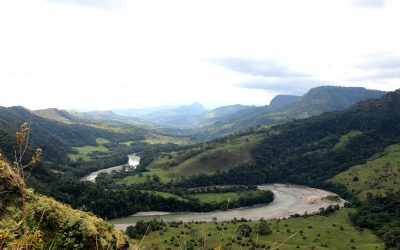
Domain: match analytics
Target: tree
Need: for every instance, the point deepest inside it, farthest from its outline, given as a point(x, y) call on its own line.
point(244, 230)
point(139, 230)
point(263, 228)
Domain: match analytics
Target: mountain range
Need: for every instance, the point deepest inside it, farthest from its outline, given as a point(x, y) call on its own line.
point(225, 120)
point(310, 140)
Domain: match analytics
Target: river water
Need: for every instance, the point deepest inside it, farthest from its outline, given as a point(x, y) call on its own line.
point(289, 200)
point(133, 161)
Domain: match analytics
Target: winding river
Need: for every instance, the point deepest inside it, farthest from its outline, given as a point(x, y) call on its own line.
point(133, 161)
point(289, 200)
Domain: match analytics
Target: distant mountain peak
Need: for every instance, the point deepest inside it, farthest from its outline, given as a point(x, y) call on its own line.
point(194, 108)
point(329, 98)
point(282, 100)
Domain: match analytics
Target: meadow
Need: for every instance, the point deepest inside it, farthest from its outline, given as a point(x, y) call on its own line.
point(207, 159)
point(313, 232)
point(378, 175)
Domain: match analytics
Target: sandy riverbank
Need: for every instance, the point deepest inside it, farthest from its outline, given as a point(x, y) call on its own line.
point(289, 200)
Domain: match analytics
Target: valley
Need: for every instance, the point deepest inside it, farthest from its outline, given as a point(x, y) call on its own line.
point(125, 169)
point(288, 200)
point(133, 161)
point(313, 232)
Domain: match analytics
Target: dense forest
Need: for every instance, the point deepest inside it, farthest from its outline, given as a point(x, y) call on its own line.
point(310, 151)
point(381, 214)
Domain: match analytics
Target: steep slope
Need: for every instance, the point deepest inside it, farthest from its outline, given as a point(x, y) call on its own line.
point(54, 137)
point(380, 174)
point(316, 101)
point(50, 224)
point(106, 117)
point(307, 151)
point(329, 98)
point(56, 114)
point(280, 101)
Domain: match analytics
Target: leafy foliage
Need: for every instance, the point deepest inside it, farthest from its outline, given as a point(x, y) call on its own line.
point(143, 228)
point(381, 214)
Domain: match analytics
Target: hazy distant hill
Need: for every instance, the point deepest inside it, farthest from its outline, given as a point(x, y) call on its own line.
point(286, 108)
point(331, 98)
point(106, 116)
point(175, 116)
point(280, 101)
point(56, 114)
point(56, 138)
point(140, 111)
point(306, 151)
point(207, 124)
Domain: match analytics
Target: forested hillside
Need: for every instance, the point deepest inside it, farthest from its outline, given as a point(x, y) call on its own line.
point(312, 150)
point(54, 137)
point(287, 108)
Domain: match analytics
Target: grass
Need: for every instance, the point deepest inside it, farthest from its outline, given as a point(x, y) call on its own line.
point(164, 194)
point(315, 232)
point(217, 197)
point(100, 141)
point(207, 159)
point(344, 139)
point(334, 198)
point(127, 143)
point(221, 197)
point(85, 151)
point(381, 173)
point(163, 139)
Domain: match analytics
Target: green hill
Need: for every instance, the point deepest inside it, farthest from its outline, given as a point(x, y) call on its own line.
point(380, 174)
point(207, 158)
point(314, 102)
point(57, 138)
point(49, 224)
point(307, 151)
point(312, 232)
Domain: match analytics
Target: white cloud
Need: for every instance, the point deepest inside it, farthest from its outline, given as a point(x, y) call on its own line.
point(121, 54)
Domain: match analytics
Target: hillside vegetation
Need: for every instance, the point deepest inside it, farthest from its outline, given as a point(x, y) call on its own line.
point(313, 232)
point(54, 137)
point(51, 225)
point(313, 150)
point(380, 174)
point(207, 158)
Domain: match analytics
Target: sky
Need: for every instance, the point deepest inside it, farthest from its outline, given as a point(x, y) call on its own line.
point(114, 54)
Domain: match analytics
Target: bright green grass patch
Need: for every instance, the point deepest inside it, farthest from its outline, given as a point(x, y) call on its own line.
point(223, 197)
point(344, 139)
point(127, 143)
point(334, 198)
point(380, 174)
point(206, 159)
point(217, 197)
point(108, 127)
point(100, 141)
point(315, 232)
point(163, 139)
point(164, 194)
point(84, 152)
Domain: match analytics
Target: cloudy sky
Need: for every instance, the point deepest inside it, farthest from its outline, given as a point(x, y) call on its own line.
point(105, 54)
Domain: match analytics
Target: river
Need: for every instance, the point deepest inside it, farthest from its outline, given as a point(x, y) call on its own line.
point(133, 161)
point(289, 200)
